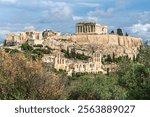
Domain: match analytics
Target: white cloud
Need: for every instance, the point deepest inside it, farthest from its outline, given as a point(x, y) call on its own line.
point(29, 28)
point(62, 12)
point(143, 17)
point(8, 1)
point(57, 11)
point(141, 30)
point(85, 18)
point(136, 28)
point(95, 15)
point(101, 13)
point(86, 4)
point(94, 19)
point(3, 34)
point(77, 18)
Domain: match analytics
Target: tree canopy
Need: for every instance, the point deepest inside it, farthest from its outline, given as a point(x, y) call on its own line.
point(119, 32)
point(22, 78)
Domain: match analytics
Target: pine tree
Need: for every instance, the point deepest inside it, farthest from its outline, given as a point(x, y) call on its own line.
point(119, 32)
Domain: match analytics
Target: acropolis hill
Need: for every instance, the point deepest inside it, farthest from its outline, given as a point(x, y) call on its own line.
point(93, 33)
point(91, 40)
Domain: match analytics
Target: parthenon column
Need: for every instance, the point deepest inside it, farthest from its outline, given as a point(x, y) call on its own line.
point(87, 28)
point(82, 28)
point(91, 28)
point(94, 28)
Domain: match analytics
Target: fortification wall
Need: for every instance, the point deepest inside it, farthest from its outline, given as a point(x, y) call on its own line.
point(126, 41)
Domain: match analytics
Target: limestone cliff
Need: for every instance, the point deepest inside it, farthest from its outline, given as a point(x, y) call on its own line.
point(126, 41)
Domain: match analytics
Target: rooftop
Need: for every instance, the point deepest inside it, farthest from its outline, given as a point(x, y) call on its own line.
point(86, 23)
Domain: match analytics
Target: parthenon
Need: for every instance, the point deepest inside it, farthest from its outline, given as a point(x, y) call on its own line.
point(90, 28)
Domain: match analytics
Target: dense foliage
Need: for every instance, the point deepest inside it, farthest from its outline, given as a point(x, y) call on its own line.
point(36, 52)
point(131, 81)
point(119, 32)
point(23, 78)
point(26, 47)
point(72, 54)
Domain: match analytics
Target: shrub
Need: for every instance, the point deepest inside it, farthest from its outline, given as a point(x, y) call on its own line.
point(21, 78)
point(26, 47)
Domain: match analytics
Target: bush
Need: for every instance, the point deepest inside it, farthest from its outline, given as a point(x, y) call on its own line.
point(95, 87)
point(27, 79)
point(74, 55)
point(119, 32)
point(22, 78)
point(26, 47)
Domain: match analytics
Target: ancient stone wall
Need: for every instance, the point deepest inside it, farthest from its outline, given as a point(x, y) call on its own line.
point(126, 41)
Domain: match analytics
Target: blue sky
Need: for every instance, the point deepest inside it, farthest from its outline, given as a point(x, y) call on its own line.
point(61, 15)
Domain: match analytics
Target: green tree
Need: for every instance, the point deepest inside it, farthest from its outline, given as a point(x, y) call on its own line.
point(91, 87)
point(112, 32)
point(74, 55)
point(144, 55)
point(119, 32)
point(26, 47)
point(27, 79)
point(136, 80)
point(127, 34)
point(134, 76)
point(108, 59)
